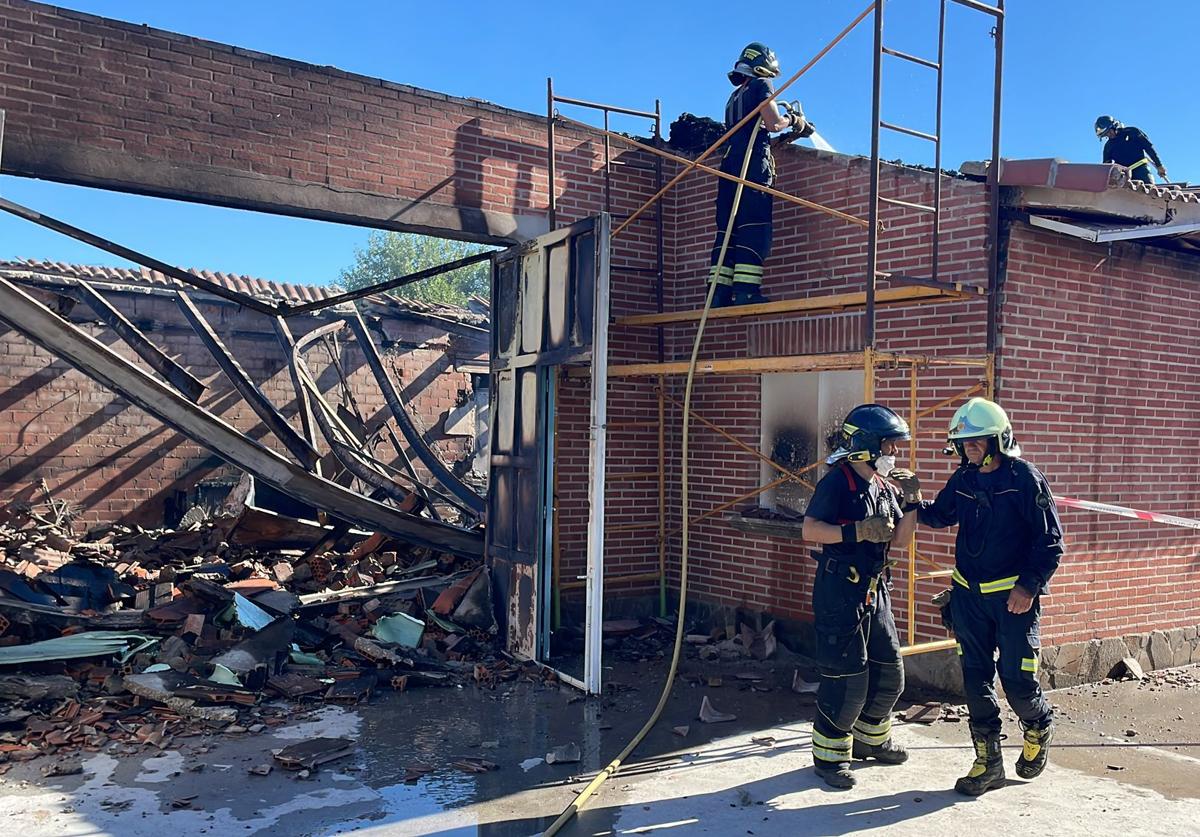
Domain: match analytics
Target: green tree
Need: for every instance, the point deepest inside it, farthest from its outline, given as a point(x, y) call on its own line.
point(391, 254)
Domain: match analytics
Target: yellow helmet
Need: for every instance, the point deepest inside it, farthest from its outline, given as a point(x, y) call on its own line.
point(982, 419)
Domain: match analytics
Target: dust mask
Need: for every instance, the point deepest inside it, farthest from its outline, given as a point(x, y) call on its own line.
point(884, 465)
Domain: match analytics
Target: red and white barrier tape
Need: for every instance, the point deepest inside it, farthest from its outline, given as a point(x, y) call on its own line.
point(1122, 511)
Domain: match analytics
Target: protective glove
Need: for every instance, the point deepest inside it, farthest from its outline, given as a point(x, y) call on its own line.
point(796, 112)
point(877, 528)
point(942, 602)
point(1162, 172)
point(908, 484)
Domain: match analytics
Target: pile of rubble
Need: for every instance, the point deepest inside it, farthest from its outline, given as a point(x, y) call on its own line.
point(128, 637)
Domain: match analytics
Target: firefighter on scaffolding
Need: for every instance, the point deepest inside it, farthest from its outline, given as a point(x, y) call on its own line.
point(858, 516)
point(1008, 545)
point(739, 272)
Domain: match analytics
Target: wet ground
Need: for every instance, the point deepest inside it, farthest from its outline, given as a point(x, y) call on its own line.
point(711, 780)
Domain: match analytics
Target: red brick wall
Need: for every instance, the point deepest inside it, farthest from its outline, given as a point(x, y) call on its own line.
point(813, 254)
point(1092, 368)
point(111, 461)
point(1099, 376)
point(94, 83)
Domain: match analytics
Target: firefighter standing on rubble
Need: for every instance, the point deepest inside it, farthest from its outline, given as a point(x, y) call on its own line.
point(739, 276)
point(1008, 545)
point(857, 516)
point(1128, 146)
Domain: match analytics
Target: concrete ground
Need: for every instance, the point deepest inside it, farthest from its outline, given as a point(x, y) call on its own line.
point(1126, 759)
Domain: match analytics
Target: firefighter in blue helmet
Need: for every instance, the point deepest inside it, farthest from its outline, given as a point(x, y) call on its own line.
point(1008, 545)
point(1129, 147)
point(857, 516)
point(739, 275)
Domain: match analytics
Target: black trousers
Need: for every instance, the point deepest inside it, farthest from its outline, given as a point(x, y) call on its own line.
point(750, 240)
point(858, 655)
point(982, 624)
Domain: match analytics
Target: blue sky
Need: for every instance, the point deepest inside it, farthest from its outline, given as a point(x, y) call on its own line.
point(1067, 61)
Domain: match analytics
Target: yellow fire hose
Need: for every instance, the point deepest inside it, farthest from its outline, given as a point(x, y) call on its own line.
point(615, 765)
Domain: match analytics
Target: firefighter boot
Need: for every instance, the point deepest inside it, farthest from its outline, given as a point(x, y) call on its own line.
point(748, 293)
point(722, 297)
point(988, 770)
point(889, 752)
point(835, 774)
point(1032, 760)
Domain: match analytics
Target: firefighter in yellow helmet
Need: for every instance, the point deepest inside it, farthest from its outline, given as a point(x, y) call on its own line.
point(1008, 545)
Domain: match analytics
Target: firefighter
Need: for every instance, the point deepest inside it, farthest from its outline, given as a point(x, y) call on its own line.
point(1129, 147)
point(1008, 545)
point(857, 516)
point(739, 275)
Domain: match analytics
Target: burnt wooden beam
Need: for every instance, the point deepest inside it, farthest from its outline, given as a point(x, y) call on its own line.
point(175, 375)
point(25, 315)
point(136, 257)
point(396, 404)
point(296, 444)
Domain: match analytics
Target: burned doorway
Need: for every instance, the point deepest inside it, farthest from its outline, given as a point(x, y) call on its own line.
point(549, 310)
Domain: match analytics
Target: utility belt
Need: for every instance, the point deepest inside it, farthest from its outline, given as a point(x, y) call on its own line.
point(857, 574)
point(984, 588)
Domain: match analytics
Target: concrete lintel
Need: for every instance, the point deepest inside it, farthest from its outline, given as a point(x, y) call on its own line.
point(105, 169)
point(1115, 203)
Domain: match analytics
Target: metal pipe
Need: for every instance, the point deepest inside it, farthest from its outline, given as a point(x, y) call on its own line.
point(745, 447)
point(924, 62)
point(291, 310)
point(937, 149)
point(909, 204)
point(607, 166)
point(575, 585)
point(659, 262)
point(556, 545)
point(912, 132)
point(752, 115)
point(993, 317)
point(912, 462)
point(926, 647)
point(967, 393)
point(550, 175)
point(995, 11)
point(733, 178)
point(631, 527)
point(566, 100)
point(662, 496)
point(868, 360)
point(873, 219)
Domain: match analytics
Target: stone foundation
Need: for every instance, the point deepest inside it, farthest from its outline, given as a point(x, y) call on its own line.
point(1087, 662)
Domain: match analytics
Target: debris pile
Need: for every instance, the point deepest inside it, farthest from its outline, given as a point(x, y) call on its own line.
point(127, 637)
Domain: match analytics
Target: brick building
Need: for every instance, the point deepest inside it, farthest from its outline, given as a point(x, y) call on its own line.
point(1091, 358)
point(110, 462)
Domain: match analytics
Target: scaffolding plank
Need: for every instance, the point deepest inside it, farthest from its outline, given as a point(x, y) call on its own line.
point(908, 295)
point(27, 316)
point(734, 366)
point(296, 444)
point(175, 374)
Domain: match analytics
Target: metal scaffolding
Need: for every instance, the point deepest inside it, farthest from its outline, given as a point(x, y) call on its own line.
point(906, 290)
